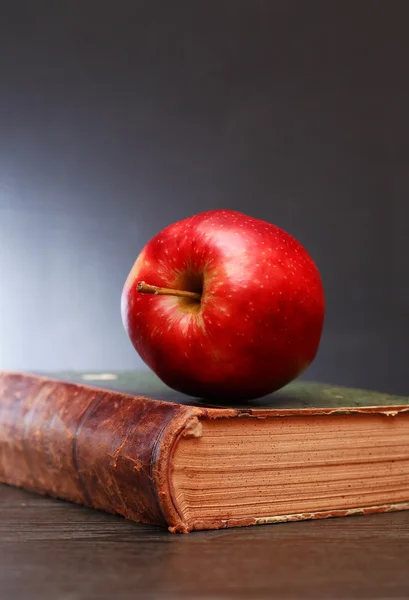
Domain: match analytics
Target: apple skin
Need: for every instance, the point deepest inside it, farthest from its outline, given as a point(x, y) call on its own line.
point(258, 324)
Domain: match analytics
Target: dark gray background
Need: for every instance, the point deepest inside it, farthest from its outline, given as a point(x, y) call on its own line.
point(117, 119)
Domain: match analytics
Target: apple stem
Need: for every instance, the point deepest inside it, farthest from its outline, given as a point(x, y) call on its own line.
point(146, 288)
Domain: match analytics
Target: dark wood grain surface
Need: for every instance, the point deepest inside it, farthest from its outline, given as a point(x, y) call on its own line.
point(52, 549)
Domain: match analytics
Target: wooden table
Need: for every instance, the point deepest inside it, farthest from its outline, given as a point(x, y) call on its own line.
point(52, 549)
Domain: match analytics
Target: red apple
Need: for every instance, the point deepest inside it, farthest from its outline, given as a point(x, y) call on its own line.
point(224, 306)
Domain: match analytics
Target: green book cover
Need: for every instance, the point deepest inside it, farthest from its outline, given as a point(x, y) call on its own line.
point(297, 394)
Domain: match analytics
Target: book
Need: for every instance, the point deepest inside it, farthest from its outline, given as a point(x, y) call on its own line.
point(126, 444)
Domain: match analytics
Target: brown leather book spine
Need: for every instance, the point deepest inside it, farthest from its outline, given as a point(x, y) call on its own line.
point(106, 450)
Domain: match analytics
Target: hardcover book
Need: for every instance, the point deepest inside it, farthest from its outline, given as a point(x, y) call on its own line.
point(127, 444)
